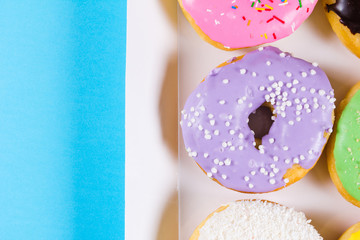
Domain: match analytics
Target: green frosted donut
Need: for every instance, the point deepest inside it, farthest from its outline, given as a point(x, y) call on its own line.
point(347, 147)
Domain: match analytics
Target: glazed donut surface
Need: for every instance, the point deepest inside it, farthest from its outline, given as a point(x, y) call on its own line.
point(242, 23)
point(353, 233)
point(215, 120)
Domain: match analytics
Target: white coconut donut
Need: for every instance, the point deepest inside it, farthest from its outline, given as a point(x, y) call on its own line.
point(255, 219)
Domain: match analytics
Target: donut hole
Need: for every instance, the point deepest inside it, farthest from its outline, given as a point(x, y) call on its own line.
point(260, 122)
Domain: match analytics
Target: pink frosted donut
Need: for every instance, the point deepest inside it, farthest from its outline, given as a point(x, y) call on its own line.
point(234, 24)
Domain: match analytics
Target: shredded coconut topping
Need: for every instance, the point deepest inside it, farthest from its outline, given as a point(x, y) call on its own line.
point(258, 220)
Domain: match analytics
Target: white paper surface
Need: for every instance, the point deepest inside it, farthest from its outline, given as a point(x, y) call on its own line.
point(151, 121)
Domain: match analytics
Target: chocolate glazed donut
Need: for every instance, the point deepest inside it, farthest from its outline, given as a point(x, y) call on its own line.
point(344, 17)
point(349, 13)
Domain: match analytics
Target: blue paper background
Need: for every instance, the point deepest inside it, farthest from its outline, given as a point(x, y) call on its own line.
point(62, 70)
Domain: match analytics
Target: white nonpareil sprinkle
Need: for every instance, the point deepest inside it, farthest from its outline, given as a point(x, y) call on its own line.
point(222, 102)
point(206, 155)
point(242, 71)
point(224, 176)
point(246, 178)
point(271, 78)
point(216, 132)
point(210, 115)
point(209, 174)
point(227, 162)
point(268, 63)
point(282, 54)
point(271, 140)
point(225, 81)
point(258, 220)
point(321, 92)
point(214, 170)
point(272, 181)
point(304, 74)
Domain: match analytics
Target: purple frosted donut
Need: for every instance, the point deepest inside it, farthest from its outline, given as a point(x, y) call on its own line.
point(215, 120)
